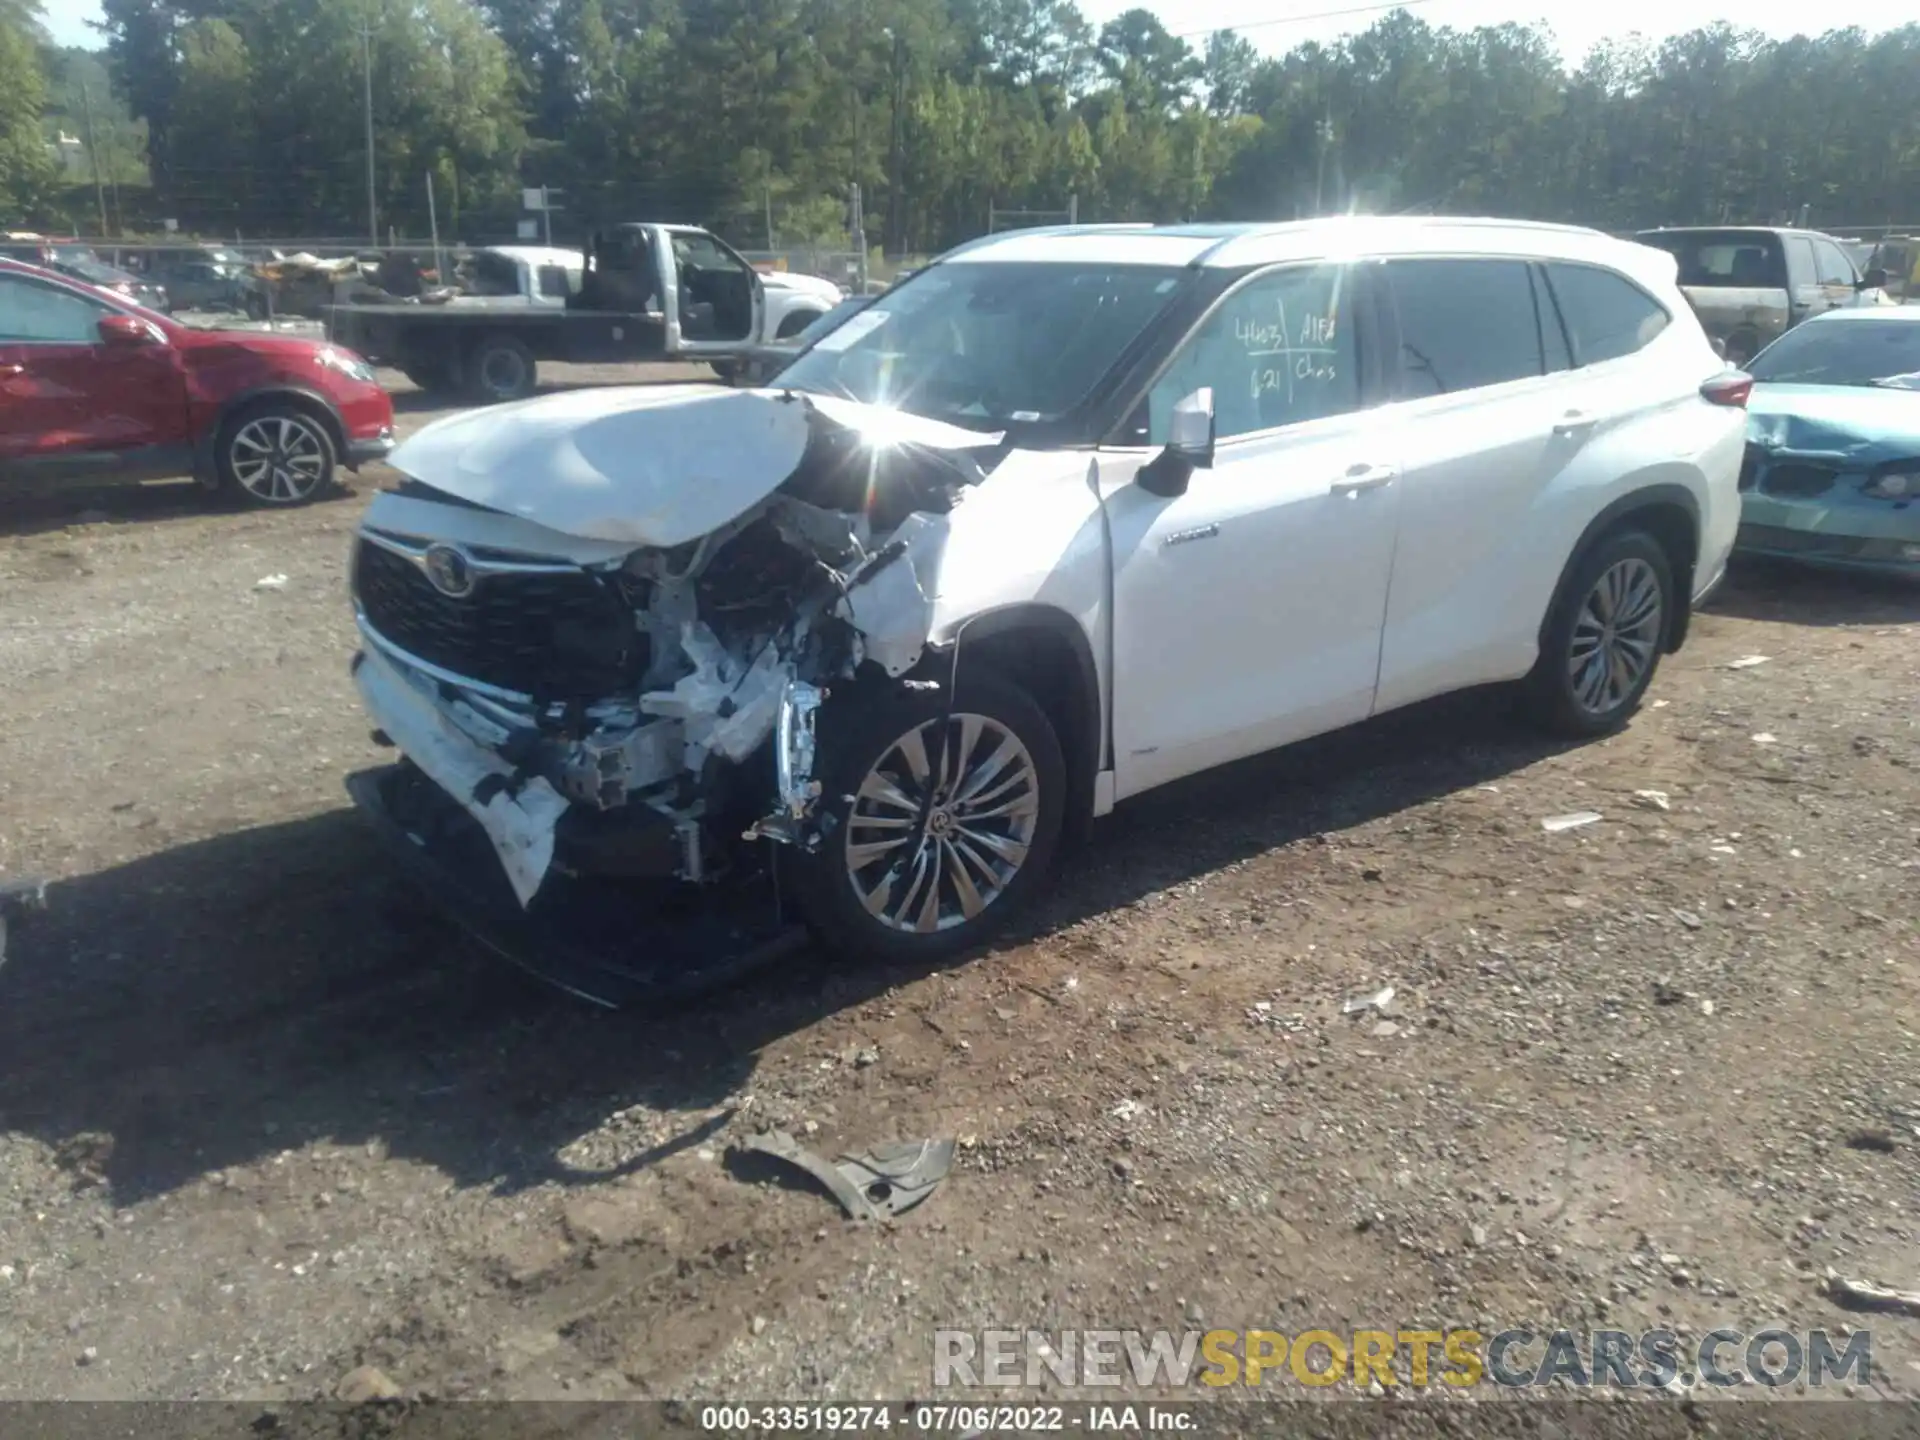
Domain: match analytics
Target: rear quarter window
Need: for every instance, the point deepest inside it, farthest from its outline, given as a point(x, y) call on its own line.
point(1607, 316)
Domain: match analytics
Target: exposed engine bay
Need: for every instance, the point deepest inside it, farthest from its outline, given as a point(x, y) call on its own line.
point(648, 710)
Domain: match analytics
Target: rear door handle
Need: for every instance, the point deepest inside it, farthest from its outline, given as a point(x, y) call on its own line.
point(1573, 422)
point(7, 372)
point(1364, 477)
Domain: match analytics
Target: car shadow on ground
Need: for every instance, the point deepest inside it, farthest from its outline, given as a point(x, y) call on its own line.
point(217, 1003)
point(1781, 592)
point(84, 504)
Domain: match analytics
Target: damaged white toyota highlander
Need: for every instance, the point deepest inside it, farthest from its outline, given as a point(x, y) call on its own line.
point(1065, 516)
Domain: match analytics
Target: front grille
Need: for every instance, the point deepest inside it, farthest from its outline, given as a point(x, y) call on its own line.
point(1792, 480)
point(555, 636)
point(1750, 464)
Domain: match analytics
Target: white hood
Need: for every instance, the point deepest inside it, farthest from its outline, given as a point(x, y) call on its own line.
point(655, 465)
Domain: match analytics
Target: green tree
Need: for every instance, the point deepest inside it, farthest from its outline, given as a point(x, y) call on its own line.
point(27, 169)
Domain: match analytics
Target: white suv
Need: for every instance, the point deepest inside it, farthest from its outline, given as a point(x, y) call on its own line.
point(1067, 515)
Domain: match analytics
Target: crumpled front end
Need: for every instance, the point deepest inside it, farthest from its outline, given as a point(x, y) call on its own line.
point(1832, 477)
point(601, 707)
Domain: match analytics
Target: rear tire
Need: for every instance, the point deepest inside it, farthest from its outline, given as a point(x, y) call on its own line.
point(500, 369)
point(1604, 636)
point(274, 455)
point(991, 834)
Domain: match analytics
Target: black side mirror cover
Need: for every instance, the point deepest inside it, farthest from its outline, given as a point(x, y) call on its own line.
point(1166, 475)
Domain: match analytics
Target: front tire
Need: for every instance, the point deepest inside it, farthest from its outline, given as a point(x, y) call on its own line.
point(888, 886)
point(274, 456)
point(1604, 636)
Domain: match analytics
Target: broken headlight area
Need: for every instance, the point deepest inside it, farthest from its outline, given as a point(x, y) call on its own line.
point(651, 713)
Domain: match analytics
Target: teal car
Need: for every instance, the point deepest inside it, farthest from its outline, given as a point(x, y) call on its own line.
point(1832, 471)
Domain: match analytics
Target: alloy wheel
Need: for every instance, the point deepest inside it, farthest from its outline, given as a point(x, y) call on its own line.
point(1616, 636)
point(279, 459)
point(929, 851)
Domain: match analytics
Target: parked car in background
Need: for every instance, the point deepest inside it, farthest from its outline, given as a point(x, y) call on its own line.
point(123, 283)
point(1751, 284)
point(34, 249)
point(93, 386)
point(1832, 474)
point(1898, 257)
point(204, 279)
point(1067, 516)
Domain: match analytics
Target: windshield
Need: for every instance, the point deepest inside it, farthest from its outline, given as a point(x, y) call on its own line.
point(988, 344)
point(1844, 352)
point(74, 254)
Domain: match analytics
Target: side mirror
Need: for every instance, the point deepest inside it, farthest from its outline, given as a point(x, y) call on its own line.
point(1189, 447)
point(1874, 279)
point(124, 330)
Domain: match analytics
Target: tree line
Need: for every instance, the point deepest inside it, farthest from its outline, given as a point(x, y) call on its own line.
point(756, 116)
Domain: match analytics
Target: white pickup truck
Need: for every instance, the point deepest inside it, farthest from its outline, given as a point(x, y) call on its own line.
point(636, 293)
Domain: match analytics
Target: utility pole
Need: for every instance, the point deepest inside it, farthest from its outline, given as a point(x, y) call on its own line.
point(1325, 128)
point(433, 228)
point(93, 154)
point(857, 224)
point(366, 52)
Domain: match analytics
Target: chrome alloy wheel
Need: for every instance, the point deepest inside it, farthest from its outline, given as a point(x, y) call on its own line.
point(1616, 636)
point(279, 459)
point(982, 810)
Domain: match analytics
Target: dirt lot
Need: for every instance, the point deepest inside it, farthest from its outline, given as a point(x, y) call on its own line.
point(263, 1120)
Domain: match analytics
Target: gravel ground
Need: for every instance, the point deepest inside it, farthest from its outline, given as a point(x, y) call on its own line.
point(263, 1120)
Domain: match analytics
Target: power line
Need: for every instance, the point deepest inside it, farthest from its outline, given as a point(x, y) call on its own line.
point(1303, 18)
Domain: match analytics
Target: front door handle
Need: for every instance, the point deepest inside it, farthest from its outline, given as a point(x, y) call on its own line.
point(7, 372)
point(1573, 422)
point(1364, 477)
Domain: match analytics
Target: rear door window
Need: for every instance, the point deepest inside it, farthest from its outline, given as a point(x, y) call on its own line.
point(1806, 268)
point(1607, 315)
point(1464, 324)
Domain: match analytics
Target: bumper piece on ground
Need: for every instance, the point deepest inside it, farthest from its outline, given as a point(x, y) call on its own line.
point(615, 945)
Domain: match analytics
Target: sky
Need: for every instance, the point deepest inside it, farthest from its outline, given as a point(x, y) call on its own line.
point(1577, 26)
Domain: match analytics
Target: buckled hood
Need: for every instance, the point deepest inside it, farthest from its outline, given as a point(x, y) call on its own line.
point(647, 466)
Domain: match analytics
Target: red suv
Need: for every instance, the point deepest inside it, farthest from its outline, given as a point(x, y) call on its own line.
point(93, 385)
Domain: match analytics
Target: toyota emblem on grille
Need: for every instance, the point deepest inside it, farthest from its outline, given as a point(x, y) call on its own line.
point(448, 570)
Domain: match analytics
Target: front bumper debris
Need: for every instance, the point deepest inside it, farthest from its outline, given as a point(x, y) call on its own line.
point(612, 944)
